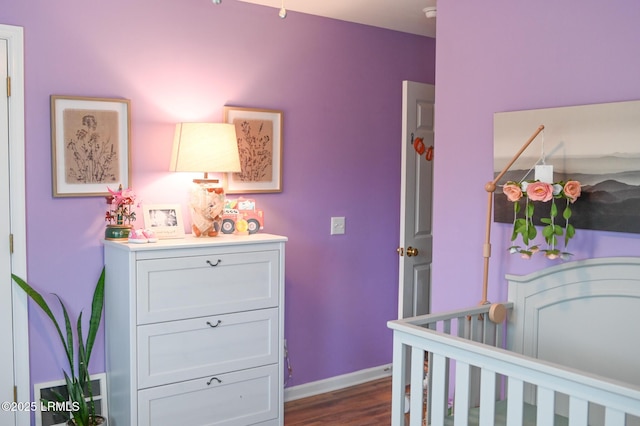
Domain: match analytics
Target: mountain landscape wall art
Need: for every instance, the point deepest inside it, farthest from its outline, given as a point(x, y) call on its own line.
point(597, 145)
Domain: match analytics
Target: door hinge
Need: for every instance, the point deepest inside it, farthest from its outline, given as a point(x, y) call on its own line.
point(15, 394)
point(8, 86)
point(11, 243)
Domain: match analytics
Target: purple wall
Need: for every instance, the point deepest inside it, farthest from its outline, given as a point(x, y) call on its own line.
point(515, 56)
point(339, 86)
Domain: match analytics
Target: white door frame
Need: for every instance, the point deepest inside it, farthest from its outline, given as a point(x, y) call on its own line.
point(15, 46)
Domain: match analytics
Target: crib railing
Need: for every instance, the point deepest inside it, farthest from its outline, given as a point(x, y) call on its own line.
point(467, 362)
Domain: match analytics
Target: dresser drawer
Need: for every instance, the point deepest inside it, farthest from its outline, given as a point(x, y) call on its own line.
point(195, 286)
point(240, 398)
point(183, 350)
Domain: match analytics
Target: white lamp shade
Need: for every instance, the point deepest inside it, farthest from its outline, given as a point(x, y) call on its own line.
point(205, 147)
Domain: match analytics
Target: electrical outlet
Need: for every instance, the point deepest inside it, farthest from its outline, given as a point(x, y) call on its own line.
point(338, 225)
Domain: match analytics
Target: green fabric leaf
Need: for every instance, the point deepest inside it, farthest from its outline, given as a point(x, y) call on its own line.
point(530, 209)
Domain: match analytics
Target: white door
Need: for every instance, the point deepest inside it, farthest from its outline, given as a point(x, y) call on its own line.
point(7, 381)
point(14, 334)
point(415, 249)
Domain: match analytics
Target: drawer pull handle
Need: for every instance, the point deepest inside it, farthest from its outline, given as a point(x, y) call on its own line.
point(214, 264)
point(212, 379)
point(214, 325)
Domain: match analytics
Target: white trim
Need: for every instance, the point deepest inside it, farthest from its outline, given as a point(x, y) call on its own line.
point(336, 382)
point(15, 46)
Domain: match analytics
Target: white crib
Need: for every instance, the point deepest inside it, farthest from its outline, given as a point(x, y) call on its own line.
point(567, 354)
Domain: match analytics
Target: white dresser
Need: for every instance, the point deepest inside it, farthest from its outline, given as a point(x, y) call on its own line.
point(194, 331)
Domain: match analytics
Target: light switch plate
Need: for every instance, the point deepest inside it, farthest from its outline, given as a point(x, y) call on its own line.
point(338, 225)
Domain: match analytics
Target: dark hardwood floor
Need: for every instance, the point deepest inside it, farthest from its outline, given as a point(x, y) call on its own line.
point(368, 404)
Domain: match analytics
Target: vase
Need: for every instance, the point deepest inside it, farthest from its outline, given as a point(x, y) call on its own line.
point(117, 232)
point(206, 205)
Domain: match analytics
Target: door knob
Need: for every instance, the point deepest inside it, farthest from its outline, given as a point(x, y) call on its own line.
point(412, 251)
point(400, 251)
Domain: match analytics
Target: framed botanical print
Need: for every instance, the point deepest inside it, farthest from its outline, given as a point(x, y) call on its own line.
point(259, 133)
point(90, 140)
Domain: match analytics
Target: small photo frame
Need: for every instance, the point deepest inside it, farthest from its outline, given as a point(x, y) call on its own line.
point(165, 220)
point(259, 133)
point(90, 142)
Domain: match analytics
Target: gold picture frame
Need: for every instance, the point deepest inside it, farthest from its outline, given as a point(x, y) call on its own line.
point(259, 133)
point(90, 145)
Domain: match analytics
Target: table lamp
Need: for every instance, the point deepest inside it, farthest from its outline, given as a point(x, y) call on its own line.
point(204, 148)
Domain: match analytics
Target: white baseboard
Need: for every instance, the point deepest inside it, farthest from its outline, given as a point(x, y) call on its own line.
point(338, 382)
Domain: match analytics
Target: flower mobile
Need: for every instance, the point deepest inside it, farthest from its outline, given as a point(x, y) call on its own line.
point(554, 227)
point(121, 211)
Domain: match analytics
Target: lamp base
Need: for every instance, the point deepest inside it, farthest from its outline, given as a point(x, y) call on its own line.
point(206, 205)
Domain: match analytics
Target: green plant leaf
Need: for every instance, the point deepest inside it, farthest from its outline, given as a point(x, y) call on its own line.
point(566, 213)
point(96, 313)
point(39, 300)
point(532, 233)
point(554, 209)
point(557, 229)
point(547, 231)
point(516, 207)
point(83, 372)
point(545, 220)
point(67, 326)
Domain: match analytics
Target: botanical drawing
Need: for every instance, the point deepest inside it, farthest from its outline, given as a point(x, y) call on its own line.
point(91, 146)
point(255, 144)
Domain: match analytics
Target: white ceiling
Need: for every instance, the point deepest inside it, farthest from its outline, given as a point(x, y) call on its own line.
point(400, 15)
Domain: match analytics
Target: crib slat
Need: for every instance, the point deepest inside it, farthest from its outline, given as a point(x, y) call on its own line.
point(578, 411)
point(461, 326)
point(515, 398)
point(446, 326)
point(417, 391)
point(398, 382)
point(487, 397)
point(614, 417)
point(463, 372)
point(429, 386)
point(545, 406)
point(437, 391)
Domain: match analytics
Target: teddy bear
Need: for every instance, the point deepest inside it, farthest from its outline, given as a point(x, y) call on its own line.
point(207, 205)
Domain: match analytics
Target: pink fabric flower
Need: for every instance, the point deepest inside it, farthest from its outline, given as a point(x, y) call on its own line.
point(540, 191)
point(572, 190)
point(122, 196)
point(512, 191)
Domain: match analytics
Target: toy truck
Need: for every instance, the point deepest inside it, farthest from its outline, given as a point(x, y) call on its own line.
point(242, 213)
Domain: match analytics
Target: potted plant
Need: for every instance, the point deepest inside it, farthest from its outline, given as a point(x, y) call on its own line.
point(77, 378)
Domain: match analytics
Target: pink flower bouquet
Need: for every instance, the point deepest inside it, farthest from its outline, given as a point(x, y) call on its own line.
point(537, 191)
